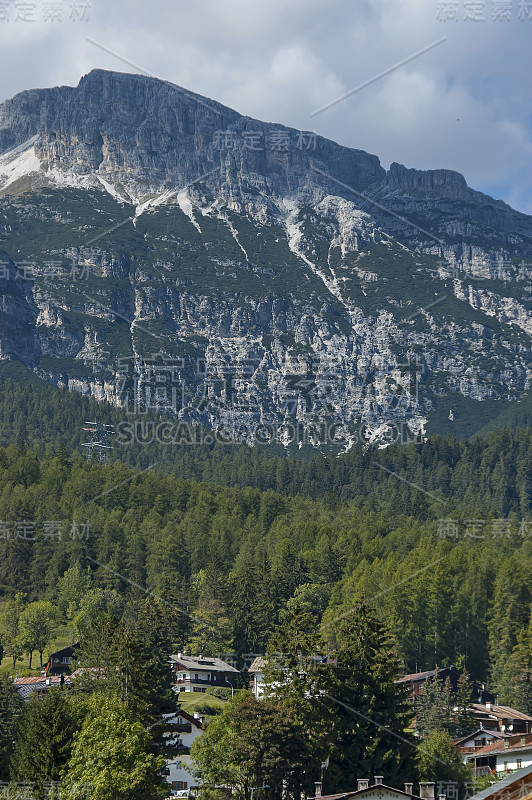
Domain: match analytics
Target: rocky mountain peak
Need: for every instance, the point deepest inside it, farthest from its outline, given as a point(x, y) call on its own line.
point(444, 182)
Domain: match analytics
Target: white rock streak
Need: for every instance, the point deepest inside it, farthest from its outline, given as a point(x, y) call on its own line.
point(185, 205)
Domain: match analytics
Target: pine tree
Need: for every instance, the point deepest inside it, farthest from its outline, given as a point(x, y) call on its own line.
point(369, 713)
point(434, 707)
point(10, 711)
point(253, 622)
point(464, 718)
point(515, 678)
point(211, 625)
point(348, 705)
point(72, 587)
point(141, 652)
point(44, 739)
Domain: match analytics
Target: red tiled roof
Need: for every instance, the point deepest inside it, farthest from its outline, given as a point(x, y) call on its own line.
point(498, 747)
point(489, 748)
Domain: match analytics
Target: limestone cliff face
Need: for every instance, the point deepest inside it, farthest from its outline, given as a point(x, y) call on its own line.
point(299, 273)
point(151, 135)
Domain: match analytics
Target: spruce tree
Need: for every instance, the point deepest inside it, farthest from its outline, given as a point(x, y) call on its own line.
point(10, 711)
point(464, 718)
point(369, 713)
point(347, 703)
point(434, 707)
point(44, 739)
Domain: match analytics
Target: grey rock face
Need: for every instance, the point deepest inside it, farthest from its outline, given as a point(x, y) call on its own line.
point(298, 272)
point(136, 130)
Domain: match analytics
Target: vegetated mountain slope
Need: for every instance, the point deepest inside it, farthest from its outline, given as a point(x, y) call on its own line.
point(492, 474)
point(286, 284)
point(446, 595)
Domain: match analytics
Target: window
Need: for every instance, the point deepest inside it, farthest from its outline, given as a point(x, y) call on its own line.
point(519, 763)
point(179, 785)
point(478, 742)
point(65, 660)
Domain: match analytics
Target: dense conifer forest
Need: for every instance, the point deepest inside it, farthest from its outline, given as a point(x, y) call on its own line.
point(437, 536)
point(226, 550)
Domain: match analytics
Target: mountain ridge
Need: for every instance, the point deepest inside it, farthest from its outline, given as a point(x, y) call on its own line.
point(268, 252)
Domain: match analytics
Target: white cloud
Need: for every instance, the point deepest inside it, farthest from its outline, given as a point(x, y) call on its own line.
point(463, 105)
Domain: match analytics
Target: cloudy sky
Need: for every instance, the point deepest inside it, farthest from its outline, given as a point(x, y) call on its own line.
point(464, 104)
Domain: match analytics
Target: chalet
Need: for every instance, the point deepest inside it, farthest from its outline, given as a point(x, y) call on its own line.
point(181, 730)
point(416, 680)
point(501, 757)
point(196, 673)
point(493, 717)
point(62, 661)
point(475, 741)
point(379, 791)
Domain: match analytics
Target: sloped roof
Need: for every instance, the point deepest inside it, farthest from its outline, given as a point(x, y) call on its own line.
point(70, 647)
point(499, 747)
point(190, 717)
point(34, 679)
point(26, 686)
point(203, 663)
point(504, 712)
point(418, 676)
point(258, 664)
point(180, 713)
point(489, 749)
point(482, 732)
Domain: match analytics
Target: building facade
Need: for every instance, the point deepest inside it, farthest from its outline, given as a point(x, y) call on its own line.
point(181, 731)
point(197, 673)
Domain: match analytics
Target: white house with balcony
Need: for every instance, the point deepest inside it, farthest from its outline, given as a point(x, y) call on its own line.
point(502, 757)
point(181, 731)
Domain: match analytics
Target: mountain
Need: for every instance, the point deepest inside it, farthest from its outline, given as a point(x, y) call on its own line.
point(165, 253)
